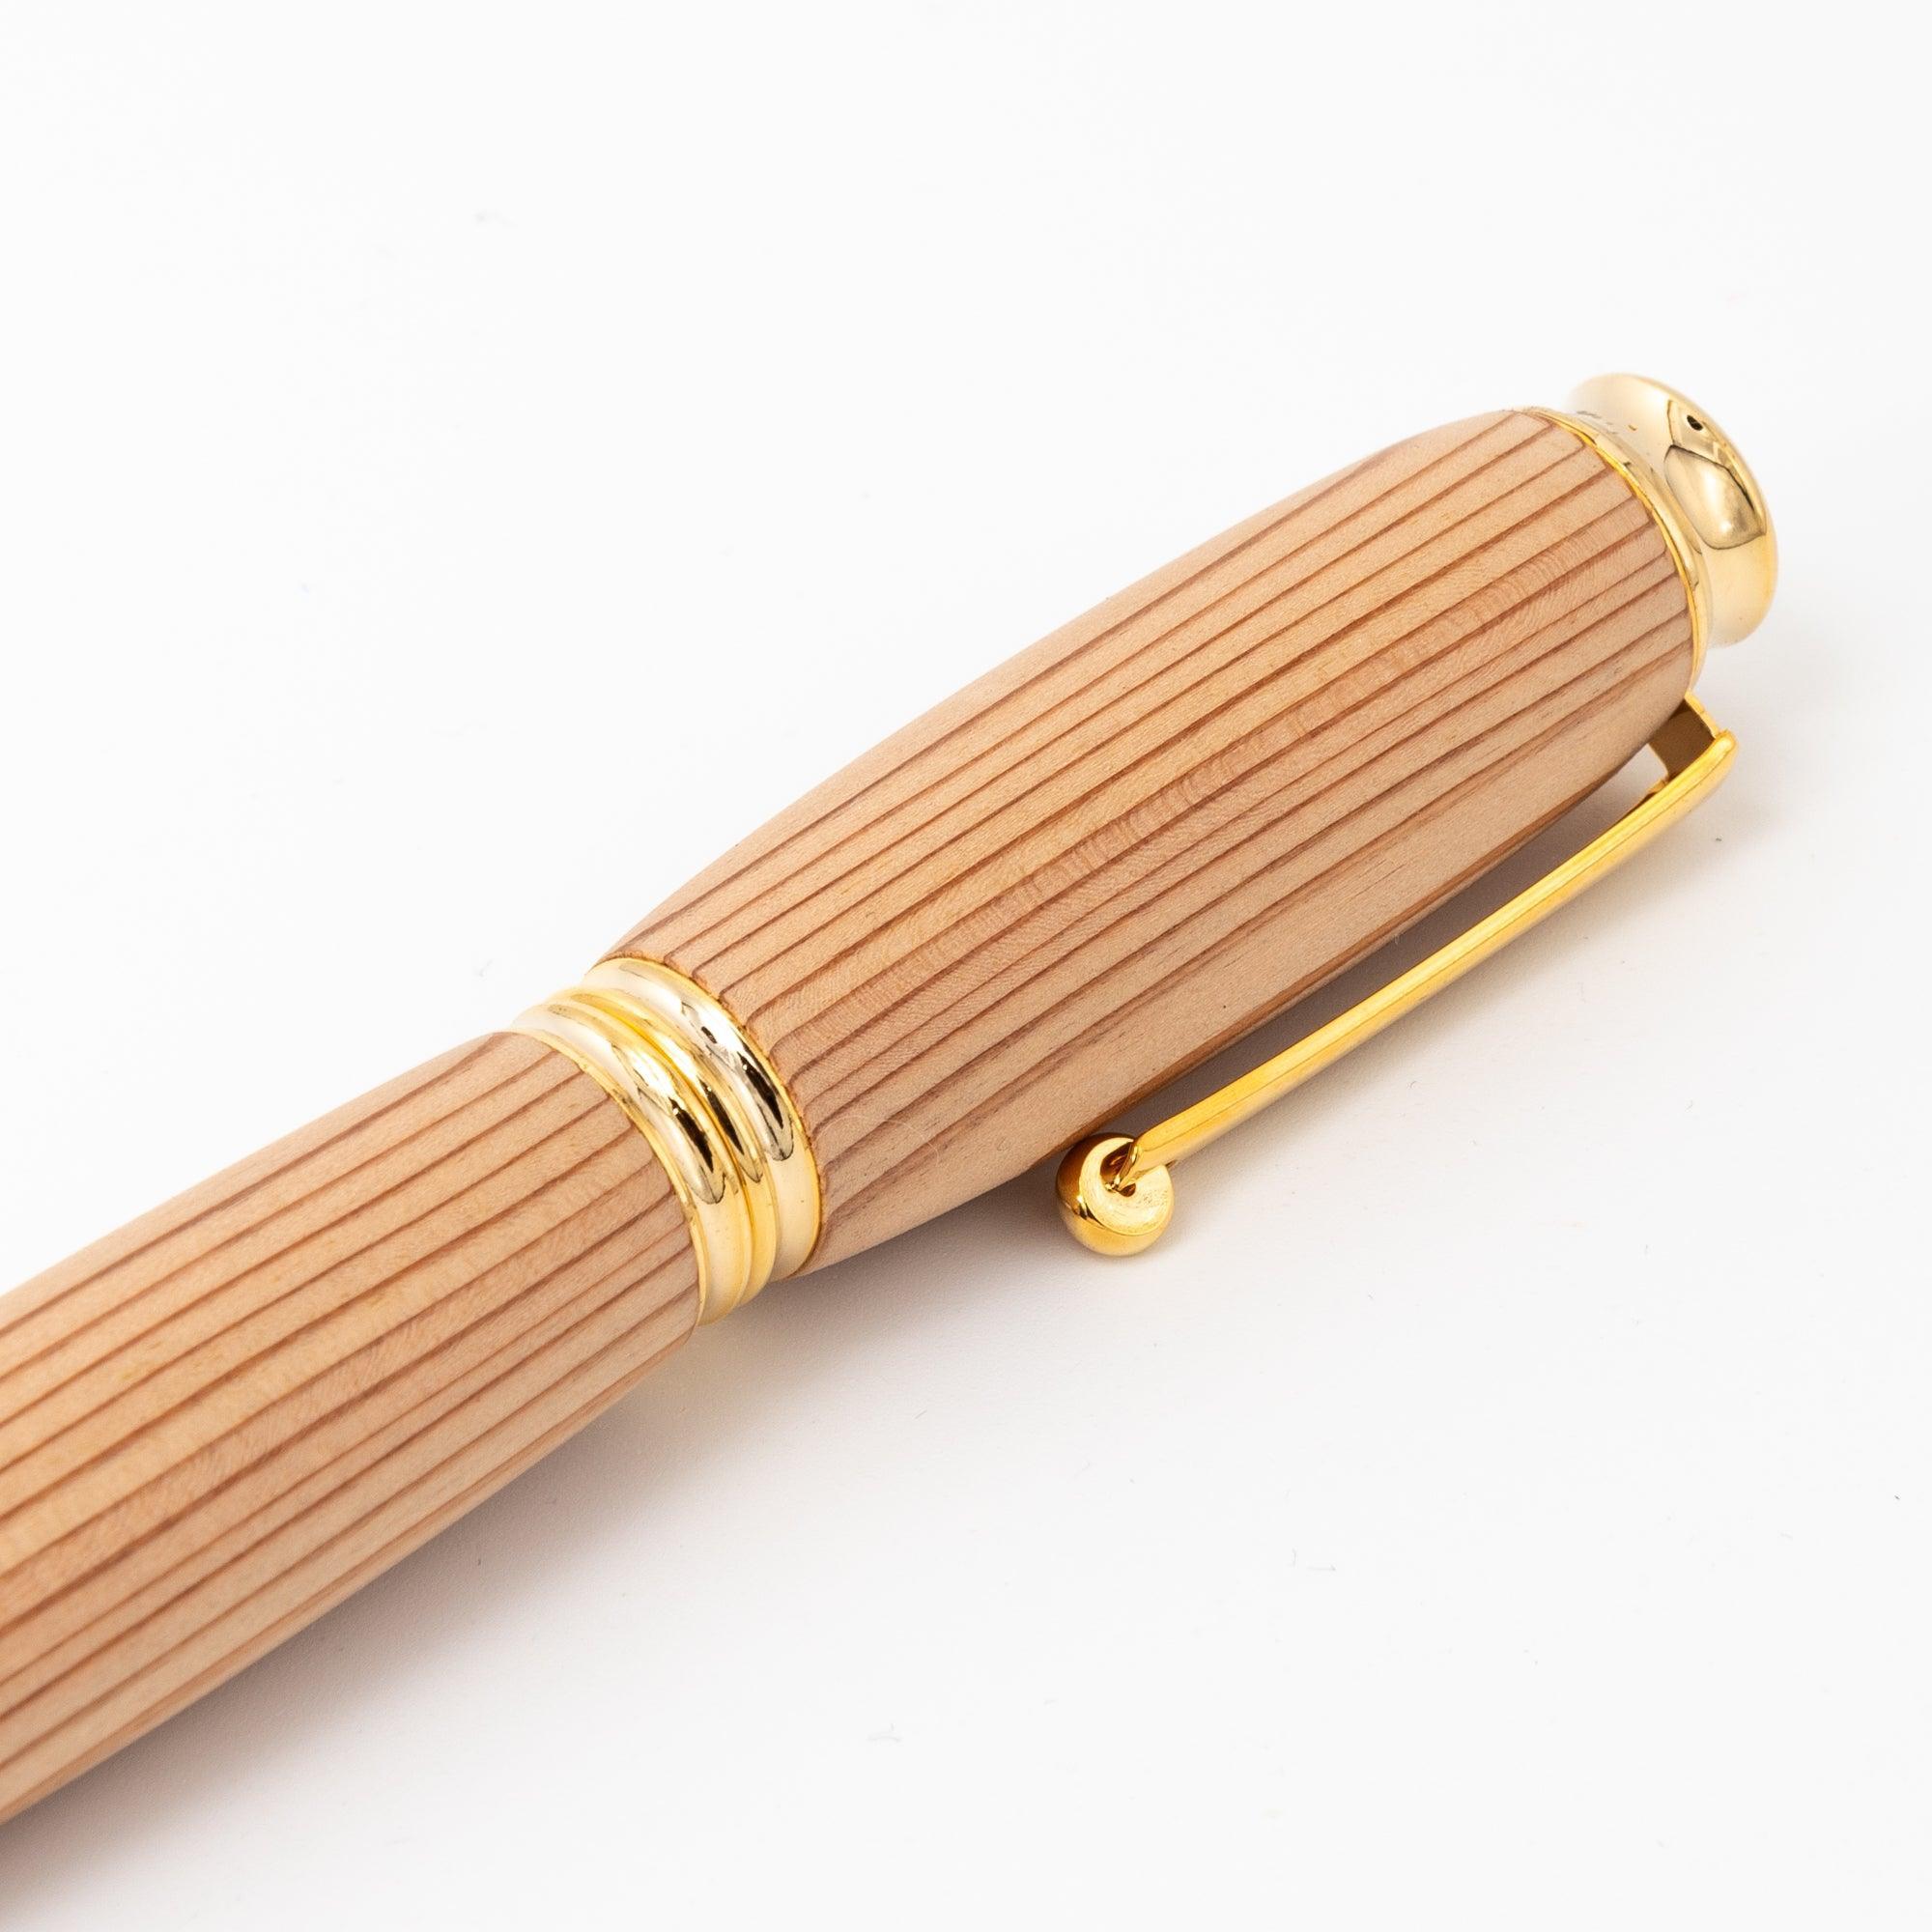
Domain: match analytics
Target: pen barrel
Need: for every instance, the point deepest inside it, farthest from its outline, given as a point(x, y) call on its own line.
point(1140, 838)
point(220, 1420)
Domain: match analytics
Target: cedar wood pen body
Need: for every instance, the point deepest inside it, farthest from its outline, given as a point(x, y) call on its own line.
point(1077, 876)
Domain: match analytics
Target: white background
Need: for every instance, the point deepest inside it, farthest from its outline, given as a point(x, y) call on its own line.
point(1505, 1498)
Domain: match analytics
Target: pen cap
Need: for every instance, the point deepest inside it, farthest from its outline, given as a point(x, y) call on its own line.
point(1698, 486)
point(1137, 839)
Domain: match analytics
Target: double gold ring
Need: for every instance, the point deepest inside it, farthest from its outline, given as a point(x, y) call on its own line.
point(713, 1110)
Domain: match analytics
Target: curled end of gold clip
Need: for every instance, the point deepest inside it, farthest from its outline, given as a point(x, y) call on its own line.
point(1104, 1210)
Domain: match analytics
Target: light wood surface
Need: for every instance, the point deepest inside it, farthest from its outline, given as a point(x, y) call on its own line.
point(1076, 878)
point(219, 1421)
point(1141, 836)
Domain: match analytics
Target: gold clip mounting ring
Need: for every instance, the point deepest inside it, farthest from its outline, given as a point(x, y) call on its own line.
point(1116, 1191)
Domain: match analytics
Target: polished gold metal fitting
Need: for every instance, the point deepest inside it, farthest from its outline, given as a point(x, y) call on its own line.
point(712, 1108)
point(1106, 1207)
point(1689, 476)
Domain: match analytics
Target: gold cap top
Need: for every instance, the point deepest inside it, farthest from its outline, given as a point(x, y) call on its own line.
point(1701, 488)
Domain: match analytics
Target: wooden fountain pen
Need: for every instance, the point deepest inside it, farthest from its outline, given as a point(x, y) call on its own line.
point(1074, 879)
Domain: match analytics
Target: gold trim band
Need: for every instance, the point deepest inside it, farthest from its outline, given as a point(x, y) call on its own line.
point(716, 1114)
point(1696, 592)
point(1699, 492)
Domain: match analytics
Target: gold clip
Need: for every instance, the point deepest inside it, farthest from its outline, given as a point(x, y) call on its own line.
point(1116, 1191)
